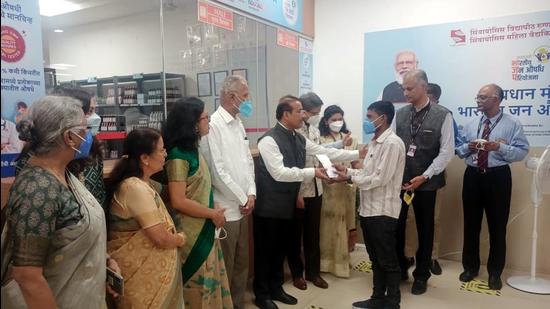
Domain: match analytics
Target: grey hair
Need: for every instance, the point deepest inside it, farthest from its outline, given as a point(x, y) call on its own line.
point(231, 84)
point(47, 121)
point(419, 75)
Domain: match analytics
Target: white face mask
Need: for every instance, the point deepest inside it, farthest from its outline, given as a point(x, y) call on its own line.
point(314, 120)
point(94, 121)
point(336, 126)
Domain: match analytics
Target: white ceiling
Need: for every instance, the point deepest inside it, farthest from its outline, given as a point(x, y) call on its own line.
point(97, 10)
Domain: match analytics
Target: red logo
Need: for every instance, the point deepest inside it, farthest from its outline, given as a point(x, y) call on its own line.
point(13, 45)
point(458, 36)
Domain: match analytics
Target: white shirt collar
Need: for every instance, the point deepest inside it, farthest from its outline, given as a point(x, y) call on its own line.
point(226, 116)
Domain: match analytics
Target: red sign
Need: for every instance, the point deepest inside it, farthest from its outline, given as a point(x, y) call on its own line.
point(13, 45)
point(287, 39)
point(215, 15)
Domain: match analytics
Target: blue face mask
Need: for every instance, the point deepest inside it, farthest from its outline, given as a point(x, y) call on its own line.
point(369, 127)
point(84, 150)
point(246, 108)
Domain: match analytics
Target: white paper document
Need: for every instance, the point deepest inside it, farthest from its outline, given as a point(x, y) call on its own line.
point(327, 165)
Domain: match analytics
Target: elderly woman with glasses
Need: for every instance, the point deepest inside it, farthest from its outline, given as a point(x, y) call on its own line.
point(54, 242)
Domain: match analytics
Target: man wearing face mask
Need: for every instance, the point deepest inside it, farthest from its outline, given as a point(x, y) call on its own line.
point(380, 183)
point(226, 149)
point(88, 162)
point(427, 131)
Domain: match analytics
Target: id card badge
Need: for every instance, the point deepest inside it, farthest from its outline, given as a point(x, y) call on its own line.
point(474, 159)
point(412, 150)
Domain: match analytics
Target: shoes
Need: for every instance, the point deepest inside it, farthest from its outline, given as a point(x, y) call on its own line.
point(318, 282)
point(495, 283)
point(467, 276)
point(265, 304)
point(369, 304)
point(435, 268)
point(419, 287)
point(300, 283)
point(284, 298)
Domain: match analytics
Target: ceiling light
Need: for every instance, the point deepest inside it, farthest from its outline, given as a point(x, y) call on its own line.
point(57, 7)
point(58, 30)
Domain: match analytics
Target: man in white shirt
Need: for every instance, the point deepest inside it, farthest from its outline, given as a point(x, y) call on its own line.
point(380, 183)
point(226, 149)
point(279, 174)
point(427, 132)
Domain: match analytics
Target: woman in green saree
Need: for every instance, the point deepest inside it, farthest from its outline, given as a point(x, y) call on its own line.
point(204, 277)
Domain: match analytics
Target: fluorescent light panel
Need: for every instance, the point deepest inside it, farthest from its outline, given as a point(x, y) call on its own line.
point(57, 7)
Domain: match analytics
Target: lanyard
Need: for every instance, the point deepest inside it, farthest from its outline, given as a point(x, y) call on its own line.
point(413, 132)
point(490, 129)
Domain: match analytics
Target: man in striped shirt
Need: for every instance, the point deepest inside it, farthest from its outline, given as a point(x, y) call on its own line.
point(380, 182)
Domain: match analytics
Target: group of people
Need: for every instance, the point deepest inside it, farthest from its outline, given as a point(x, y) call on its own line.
point(173, 217)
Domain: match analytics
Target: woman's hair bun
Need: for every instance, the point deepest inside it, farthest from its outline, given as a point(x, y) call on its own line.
point(25, 129)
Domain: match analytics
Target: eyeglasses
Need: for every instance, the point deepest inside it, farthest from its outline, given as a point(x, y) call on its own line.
point(483, 98)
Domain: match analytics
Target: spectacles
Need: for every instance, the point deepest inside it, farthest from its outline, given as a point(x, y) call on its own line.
point(483, 98)
point(163, 152)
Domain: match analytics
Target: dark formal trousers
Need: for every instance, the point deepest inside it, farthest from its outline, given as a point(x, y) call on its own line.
point(424, 208)
point(379, 233)
point(306, 227)
point(270, 247)
point(490, 192)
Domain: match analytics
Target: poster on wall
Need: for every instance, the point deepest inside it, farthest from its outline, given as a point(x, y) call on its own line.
point(286, 13)
point(305, 80)
point(22, 72)
point(512, 52)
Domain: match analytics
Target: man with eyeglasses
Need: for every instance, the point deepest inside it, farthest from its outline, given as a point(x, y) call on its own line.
point(405, 61)
point(494, 140)
point(427, 131)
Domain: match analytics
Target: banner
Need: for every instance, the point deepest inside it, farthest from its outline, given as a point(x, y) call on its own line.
point(22, 72)
point(512, 52)
point(305, 78)
point(287, 13)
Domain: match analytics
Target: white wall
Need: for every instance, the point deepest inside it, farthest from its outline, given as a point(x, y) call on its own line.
point(338, 78)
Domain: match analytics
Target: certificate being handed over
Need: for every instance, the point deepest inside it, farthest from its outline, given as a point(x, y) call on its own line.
point(327, 165)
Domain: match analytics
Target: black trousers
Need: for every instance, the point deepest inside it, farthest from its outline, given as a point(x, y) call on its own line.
point(270, 246)
point(306, 227)
point(489, 192)
point(379, 235)
point(424, 207)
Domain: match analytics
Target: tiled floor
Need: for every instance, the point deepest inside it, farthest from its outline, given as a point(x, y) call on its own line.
point(443, 292)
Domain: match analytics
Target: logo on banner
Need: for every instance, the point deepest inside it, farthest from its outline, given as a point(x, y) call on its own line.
point(543, 54)
point(13, 45)
point(290, 11)
point(458, 37)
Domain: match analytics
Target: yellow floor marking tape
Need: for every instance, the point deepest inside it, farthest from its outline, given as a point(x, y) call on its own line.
point(364, 266)
point(479, 286)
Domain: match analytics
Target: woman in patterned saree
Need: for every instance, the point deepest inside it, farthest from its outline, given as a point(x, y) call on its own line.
point(337, 229)
point(142, 236)
point(189, 186)
point(54, 240)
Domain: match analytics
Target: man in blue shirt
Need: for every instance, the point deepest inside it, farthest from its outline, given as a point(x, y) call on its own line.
point(492, 141)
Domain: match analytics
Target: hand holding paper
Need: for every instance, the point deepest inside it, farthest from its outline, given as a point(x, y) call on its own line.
point(327, 165)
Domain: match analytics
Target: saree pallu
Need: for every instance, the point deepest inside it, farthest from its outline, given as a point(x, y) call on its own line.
point(152, 276)
point(204, 276)
point(75, 268)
